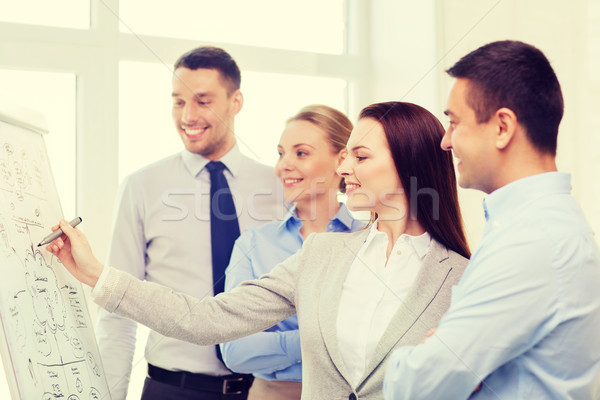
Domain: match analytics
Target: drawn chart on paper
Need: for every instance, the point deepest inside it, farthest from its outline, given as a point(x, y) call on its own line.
point(49, 348)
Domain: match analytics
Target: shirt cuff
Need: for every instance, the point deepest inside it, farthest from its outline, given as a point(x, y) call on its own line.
point(98, 288)
point(292, 346)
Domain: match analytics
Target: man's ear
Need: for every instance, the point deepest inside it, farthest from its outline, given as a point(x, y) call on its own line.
point(237, 101)
point(506, 121)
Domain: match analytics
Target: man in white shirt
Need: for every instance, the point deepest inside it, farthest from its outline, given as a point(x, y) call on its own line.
point(164, 230)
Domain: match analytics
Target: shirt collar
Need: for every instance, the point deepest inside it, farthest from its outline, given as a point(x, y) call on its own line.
point(506, 200)
point(291, 218)
point(343, 216)
point(419, 243)
point(195, 162)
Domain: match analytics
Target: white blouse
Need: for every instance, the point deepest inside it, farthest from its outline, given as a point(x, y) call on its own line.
point(372, 293)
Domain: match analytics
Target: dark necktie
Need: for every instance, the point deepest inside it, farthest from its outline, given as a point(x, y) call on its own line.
point(224, 227)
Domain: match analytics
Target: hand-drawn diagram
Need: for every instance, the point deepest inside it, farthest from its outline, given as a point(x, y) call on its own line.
point(45, 321)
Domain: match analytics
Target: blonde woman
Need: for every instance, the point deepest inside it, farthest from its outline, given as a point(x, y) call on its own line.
point(311, 148)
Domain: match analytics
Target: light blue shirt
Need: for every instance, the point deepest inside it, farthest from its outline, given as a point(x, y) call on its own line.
point(525, 317)
point(275, 353)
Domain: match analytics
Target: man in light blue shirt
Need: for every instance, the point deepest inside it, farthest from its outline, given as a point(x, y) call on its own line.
point(274, 354)
point(524, 322)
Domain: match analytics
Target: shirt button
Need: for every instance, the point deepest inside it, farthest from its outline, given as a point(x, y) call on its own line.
point(352, 396)
point(398, 252)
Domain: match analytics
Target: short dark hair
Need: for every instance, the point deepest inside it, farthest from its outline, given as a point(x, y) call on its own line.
point(425, 170)
point(518, 76)
point(209, 57)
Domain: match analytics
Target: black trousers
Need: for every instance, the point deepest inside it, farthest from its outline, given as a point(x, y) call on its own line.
point(154, 390)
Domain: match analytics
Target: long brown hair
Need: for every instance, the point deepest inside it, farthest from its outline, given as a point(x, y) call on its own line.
point(425, 170)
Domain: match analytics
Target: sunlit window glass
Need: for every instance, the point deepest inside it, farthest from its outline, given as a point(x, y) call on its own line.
point(146, 133)
point(270, 99)
point(309, 25)
point(63, 13)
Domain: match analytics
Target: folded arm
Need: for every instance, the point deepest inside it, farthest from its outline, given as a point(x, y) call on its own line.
point(504, 305)
point(274, 354)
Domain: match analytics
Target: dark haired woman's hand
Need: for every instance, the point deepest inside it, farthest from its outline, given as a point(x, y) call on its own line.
point(75, 253)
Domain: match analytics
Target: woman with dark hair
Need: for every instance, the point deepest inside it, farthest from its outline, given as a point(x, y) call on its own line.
point(427, 178)
point(359, 295)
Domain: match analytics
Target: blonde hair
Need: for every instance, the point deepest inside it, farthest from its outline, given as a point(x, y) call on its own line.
point(333, 122)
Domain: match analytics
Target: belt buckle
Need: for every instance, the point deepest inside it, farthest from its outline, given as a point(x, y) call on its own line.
point(226, 385)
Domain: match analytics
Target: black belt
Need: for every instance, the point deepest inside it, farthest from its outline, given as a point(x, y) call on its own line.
point(228, 384)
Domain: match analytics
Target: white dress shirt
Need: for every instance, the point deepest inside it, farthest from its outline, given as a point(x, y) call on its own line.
point(162, 234)
point(372, 293)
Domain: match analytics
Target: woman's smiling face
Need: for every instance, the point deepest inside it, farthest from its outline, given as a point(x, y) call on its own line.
point(307, 162)
point(372, 182)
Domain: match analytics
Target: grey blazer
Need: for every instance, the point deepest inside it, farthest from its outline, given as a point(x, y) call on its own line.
point(309, 284)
